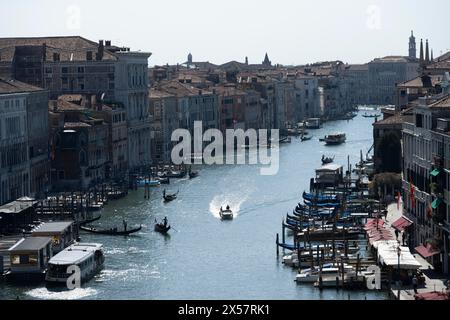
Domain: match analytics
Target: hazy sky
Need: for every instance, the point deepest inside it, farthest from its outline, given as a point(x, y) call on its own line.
point(291, 31)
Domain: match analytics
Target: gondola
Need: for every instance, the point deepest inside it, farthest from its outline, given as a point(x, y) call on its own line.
point(371, 115)
point(164, 180)
point(169, 197)
point(327, 160)
point(162, 228)
point(306, 138)
point(111, 232)
point(85, 222)
point(193, 174)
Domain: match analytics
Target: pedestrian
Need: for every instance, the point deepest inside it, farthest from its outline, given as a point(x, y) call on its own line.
point(403, 238)
point(396, 234)
point(414, 283)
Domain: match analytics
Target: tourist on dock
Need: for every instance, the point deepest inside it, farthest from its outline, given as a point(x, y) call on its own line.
point(165, 221)
point(124, 225)
point(404, 238)
point(396, 234)
point(414, 283)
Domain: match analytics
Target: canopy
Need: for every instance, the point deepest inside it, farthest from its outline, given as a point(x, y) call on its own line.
point(436, 203)
point(401, 224)
point(388, 255)
point(427, 251)
point(435, 172)
point(432, 296)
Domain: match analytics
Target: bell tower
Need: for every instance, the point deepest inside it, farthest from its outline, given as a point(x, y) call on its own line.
point(412, 46)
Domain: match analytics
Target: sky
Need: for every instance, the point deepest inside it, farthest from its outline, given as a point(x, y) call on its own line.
point(290, 31)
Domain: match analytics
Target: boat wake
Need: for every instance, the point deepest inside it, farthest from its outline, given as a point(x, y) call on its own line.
point(234, 202)
point(76, 294)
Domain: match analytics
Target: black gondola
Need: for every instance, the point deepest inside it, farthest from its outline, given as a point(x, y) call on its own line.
point(193, 174)
point(169, 197)
point(162, 228)
point(85, 222)
point(111, 232)
point(327, 160)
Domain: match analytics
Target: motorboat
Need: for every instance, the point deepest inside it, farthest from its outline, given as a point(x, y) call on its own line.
point(329, 270)
point(88, 257)
point(335, 139)
point(226, 214)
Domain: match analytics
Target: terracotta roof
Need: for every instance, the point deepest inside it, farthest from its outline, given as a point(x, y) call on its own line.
point(71, 48)
point(154, 93)
point(8, 86)
point(442, 103)
point(418, 83)
point(74, 125)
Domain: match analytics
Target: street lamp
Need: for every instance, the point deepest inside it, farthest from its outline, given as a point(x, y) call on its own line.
point(399, 251)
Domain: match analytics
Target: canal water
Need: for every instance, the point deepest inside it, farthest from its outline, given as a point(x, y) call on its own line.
point(203, 257)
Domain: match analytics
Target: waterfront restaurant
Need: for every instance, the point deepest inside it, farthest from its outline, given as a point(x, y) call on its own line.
point(29, 256)
point(62, 234)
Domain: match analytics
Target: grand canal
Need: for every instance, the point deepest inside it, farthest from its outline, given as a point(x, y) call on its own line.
point(205, 258)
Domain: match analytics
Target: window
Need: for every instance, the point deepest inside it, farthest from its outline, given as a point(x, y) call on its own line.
point(80, 69)
point(419, 121)
point(64, 70)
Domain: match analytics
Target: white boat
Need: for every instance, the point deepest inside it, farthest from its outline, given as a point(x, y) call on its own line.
point(335, 139)
point(226, 214)
point(331, 270)
point(88, 257)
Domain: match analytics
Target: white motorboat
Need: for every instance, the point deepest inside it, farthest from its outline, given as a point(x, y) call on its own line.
point(88, 257)
point(330, 270)
point(226, 214)
point(335, 139)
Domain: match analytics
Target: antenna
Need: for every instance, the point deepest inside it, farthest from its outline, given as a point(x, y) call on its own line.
point(71, 56)
point(103, 96)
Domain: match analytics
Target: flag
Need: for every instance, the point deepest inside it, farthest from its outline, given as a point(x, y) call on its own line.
point(412, 194)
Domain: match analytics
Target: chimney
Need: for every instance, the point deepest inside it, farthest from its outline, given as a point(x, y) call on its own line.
point(93, 101)
point(101, 50)
point(44, 51)
point(108, 43)
point(200, 92)
point(56, 56)
point(89, 55)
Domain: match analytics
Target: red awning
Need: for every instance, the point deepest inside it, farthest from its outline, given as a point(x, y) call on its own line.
point(432, 296)
point(427, 251)
point(402, 223)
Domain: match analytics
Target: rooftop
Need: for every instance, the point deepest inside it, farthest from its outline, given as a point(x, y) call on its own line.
point(75, 253)
point(31, 244)
point(53, 227)
point(16, 206)
point(10, 86)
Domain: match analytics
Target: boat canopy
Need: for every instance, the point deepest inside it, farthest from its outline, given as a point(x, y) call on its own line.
point(389, 255)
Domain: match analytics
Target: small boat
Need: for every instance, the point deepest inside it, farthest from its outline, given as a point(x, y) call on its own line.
point(193, 174)
point(226, 214)
point(335, 139)
point(329, 270)
point(169, 197)
point(163, 180)
point(175, 174)
point(306, 138)
point(371, 115)
point(148, 182)
point(327, 160)
point(111, 232)
point(285, 140)
point(162, 228)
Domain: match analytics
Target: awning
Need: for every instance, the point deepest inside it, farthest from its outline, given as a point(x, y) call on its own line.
point(432, 296)
point(436, 203)
point(435, 172)
point(401, 224)
point(427, 251)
